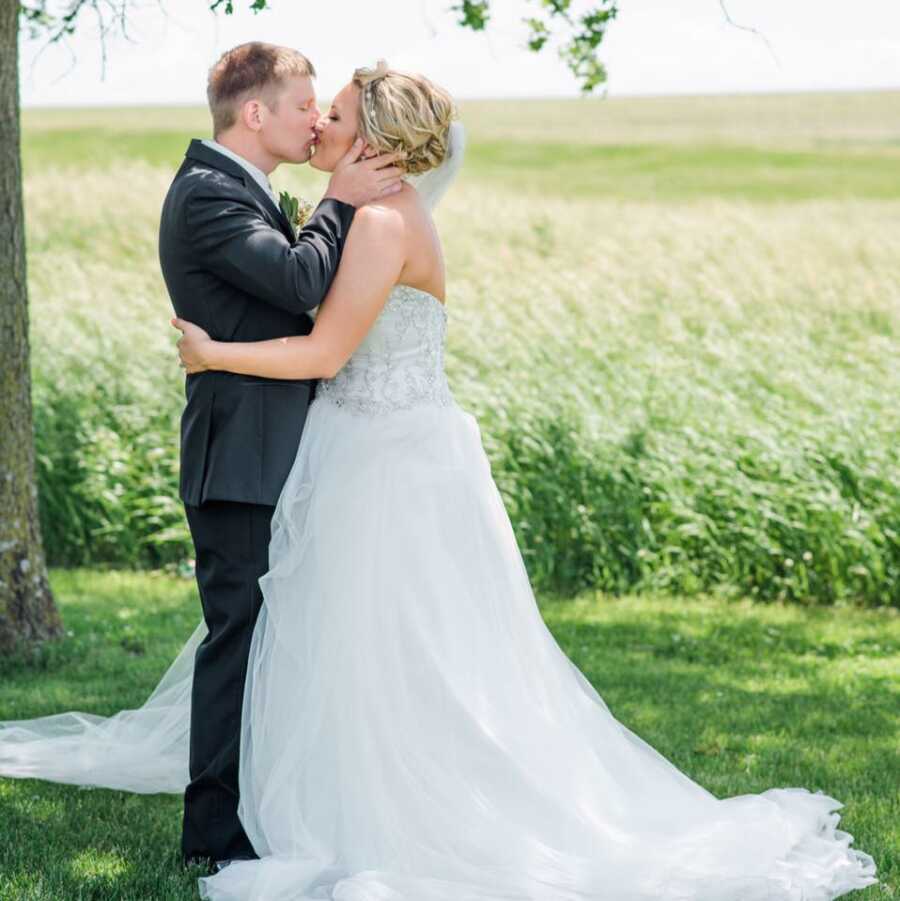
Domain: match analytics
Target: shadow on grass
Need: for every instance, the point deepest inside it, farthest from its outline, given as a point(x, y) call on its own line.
point(741, 699)
point(96, 844)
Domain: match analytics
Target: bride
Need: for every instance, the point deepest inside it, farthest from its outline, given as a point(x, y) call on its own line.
point(411, 731)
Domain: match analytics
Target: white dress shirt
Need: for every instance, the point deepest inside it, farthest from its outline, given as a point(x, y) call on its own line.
point(258, 175)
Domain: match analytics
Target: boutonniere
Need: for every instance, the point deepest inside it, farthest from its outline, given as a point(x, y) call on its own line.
point(296, 210)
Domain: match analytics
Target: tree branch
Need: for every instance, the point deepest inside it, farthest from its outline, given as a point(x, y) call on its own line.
point(582, 34)
point(752, 30)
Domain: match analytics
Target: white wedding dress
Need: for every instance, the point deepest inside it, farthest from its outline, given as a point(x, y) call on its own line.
point(411, 730)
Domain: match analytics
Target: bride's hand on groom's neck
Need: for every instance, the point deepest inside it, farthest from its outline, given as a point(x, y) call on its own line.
point(359, 181)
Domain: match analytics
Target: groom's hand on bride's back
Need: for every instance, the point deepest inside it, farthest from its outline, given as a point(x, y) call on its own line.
point(359, 181)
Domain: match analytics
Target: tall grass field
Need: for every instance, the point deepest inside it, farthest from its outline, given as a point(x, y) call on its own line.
point(676, 320)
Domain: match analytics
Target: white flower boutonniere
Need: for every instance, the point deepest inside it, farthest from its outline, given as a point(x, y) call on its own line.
point(296, 210)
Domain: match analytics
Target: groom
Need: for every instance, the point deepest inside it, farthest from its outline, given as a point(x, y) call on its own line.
point(233, 265)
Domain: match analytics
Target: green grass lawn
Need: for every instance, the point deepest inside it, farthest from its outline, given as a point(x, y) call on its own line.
point(740, 696)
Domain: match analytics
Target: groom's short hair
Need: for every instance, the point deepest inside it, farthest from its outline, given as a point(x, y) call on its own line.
point(248, 70)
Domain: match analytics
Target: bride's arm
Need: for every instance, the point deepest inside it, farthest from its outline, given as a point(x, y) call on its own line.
point(371, 265)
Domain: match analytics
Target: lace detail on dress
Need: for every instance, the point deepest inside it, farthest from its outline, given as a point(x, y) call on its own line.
point(400, 363)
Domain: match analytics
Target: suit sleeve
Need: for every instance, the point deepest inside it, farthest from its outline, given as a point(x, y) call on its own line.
point(232, 239)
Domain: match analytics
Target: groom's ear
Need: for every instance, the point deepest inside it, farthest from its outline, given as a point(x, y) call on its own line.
point(252, 114)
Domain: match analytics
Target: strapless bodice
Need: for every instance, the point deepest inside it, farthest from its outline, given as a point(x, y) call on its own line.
point(400, 363)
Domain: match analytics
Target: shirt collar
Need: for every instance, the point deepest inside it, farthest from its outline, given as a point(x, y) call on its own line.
point(255, 172)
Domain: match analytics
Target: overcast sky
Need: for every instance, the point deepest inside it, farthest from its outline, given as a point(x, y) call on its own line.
point(654, 47)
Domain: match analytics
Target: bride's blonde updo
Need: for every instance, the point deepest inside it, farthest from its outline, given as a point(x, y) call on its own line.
point(402, 111)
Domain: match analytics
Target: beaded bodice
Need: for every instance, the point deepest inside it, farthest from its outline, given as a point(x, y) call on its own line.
point(400, 363)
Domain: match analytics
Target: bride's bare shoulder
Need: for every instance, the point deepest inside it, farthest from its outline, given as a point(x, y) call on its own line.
point(401, 220)
point(377, 224)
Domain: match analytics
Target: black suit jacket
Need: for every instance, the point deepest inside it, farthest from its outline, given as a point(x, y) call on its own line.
point(232, 266)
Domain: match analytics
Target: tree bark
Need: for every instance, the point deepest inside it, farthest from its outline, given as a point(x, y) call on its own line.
point(27, 610)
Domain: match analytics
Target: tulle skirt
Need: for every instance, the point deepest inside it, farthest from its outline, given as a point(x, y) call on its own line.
point(411, 730)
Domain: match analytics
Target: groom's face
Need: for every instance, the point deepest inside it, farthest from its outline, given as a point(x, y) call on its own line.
point(288, 127)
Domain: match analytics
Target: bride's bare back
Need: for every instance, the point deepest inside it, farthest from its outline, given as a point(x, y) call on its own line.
point(423, 259)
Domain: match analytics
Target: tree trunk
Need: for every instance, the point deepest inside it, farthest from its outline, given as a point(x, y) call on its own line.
point(27, 610)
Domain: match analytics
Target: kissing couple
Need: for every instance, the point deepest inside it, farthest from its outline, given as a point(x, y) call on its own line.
point(372, 708)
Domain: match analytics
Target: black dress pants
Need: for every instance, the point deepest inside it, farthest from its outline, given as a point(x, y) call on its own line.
point(231, 543)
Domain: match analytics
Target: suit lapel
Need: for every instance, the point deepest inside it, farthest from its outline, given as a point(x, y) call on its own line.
point(198, 151)
point(277, 213)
